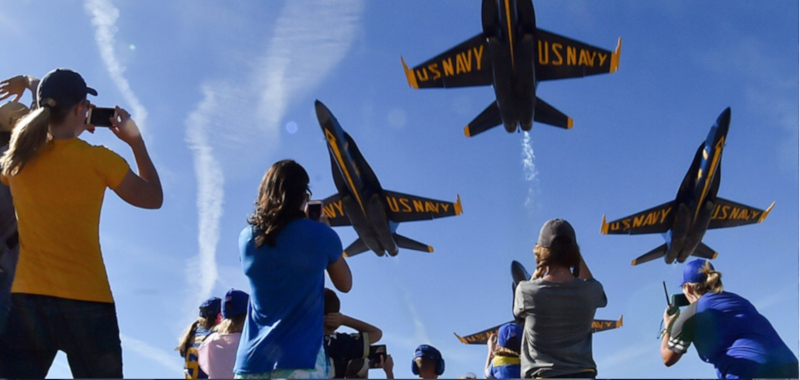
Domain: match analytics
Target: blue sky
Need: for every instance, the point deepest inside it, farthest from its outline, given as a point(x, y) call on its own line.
point(223, 90)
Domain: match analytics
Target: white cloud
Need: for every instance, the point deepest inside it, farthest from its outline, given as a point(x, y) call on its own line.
point(104, 18)
point(202, 273)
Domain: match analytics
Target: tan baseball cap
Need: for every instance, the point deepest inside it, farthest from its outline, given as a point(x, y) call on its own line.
point(10, 113)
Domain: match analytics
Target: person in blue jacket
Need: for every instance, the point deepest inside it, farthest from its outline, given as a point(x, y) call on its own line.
point(726, 330)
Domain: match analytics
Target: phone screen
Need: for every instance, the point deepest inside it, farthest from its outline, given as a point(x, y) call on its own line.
point(314, 210)
point(101, 117)
point(375, 354)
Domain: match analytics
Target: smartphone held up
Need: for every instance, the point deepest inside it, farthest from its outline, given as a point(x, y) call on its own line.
point(314, 210)
point(101, 116)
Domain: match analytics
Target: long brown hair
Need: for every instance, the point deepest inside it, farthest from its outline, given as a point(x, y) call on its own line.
point(187, 338)
point(280, 197)
point(30, 136)
point(562, 252)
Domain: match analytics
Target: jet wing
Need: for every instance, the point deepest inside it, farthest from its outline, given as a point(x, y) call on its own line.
point(561, 57)
point(334, 211)
point(603, 325)
point(730, 214)
point(467, 64)
point(483, 336)
point(655, 220)
point(407, 208)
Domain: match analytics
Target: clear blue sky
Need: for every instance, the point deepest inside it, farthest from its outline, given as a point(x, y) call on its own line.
point(222, 90)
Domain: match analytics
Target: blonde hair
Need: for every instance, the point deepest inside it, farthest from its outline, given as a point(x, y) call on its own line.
point(30, 135)
point(713, 282)
point(187, 338)
point(561, 253)
point(505, 351)
point(230, 325)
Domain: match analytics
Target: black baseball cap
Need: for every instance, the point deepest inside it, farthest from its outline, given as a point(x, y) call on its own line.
point(553, 229)
point(64, 87)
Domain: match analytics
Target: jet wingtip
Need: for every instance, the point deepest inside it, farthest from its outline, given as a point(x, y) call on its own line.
point(430, 249)
point(766, 212)
point(569, 123)
point(460, 339)
point(458, 207)
point(604, 226)
point(466, 131)
point(615, 56)
point(412, 80)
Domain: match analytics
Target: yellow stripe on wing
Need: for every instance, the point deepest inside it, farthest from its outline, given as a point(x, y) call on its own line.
point(510, 37)
point(714, 162)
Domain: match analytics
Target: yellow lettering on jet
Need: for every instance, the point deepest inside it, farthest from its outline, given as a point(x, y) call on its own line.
point(447, 65)
point(585, 59)
point(544, 54)
point(478, 51)
point(664, 214)
point(638, 220)
point(572, 58)
point(404, 202)
point(333, 210)
point(445, 206)
point(418, 206)
point(463, 63)
point(395, 204)
point(430, 206)
point(557, 51)
point(602, 58)
point(422, 75)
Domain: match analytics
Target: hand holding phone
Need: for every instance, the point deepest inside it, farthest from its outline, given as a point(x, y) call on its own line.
point(377, 353)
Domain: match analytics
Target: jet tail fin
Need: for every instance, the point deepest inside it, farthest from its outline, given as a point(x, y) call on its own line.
point(659, 251)
point(404, 242)
point(357, 247)
point(547, 114)
point(488, 119)
point(704, 251)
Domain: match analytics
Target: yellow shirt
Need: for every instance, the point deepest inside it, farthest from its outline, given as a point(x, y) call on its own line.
point(58, 197)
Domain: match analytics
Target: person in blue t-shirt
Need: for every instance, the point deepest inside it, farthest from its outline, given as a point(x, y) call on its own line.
point(285, 256)
point(726, 330)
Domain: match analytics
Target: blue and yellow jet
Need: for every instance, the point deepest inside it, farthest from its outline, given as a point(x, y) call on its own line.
point(514, 56)
point(696, 208)
point(519, 274)
point(361, 201)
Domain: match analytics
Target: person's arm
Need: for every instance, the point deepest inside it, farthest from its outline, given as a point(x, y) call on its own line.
point(375, 334)
point(340, 275)
point(142, 190)
point(668, 356)
point(17, 85)
point(388, 366)
point(584, 273)
point(490, 345)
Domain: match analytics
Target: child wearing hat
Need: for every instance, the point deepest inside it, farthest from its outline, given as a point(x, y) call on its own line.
point(217, 353)
point(428, 362)
point(502, 360)
point(195, 334)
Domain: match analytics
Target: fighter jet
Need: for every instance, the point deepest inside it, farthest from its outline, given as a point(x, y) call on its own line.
point(697, 208)
point(514, 56)
point(519, 274)
point(361, 201)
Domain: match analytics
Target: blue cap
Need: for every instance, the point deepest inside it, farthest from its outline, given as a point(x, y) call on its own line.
point(509, 336)
point(693, 272)
point(62, 88)
point(235, 303)
point(429, 352)
point(210, 308)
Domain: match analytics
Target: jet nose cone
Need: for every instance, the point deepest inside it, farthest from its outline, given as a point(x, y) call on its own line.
point(724, 121)
point(323, 113)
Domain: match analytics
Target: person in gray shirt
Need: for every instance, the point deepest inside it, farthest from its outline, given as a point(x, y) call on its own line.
point(558, 306)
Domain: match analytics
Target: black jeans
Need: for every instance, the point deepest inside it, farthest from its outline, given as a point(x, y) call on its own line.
point(39, 326)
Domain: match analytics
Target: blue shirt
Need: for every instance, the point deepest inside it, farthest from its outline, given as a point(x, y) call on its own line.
point(283, 329)
point(731, 334)
point(503, 367)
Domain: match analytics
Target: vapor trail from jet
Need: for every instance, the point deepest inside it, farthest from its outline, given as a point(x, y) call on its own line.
point(528, 167)
point(104, 18)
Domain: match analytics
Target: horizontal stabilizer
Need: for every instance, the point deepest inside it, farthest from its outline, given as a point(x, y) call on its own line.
point(518, 272)
point(547, 114)
point(479, 337)
point(659, 251)
point(654, 220)
point(357, 247)
point(488, 119)
point(561, 57)
point(409, 208)
point(603, 325)
point(704, 251)
point(466, 64)
point(404, 242)
point(731, 214)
